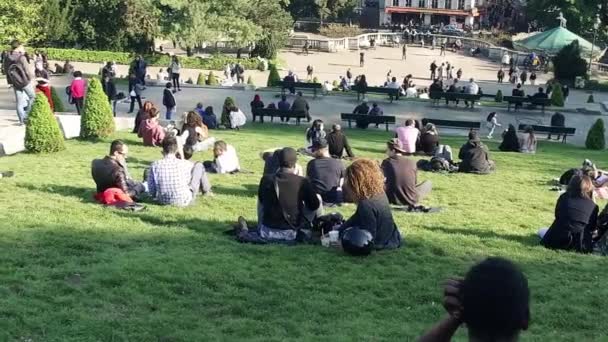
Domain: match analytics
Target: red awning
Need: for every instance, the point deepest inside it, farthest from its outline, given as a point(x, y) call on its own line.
point(441, 11)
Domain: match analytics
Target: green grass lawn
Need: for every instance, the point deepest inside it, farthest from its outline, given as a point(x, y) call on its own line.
point(72, 270)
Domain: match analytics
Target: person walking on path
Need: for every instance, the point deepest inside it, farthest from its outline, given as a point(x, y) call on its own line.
point(442, 53)
point(440, 72)
point(362, 59)
point(175, 68)
point(77, 89)
point(523, 77)
point(459, 73)
point(309, 71)
point(305, 48)
point(404, 52)
point(500, 75)
point(20, 76)
point(349, 76)
point(109, 88)
point(169, 101)
point(139, 67)
point(433, 70)
point(135, 89)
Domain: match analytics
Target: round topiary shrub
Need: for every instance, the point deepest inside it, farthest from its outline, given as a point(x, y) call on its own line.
point(590, 99)
point(42, 133)
point(498, 98)
point(273, 76)
point(228, 104)
point(97, 120)
point(595, 137)
point(201, 79)
point(57, 102)
point(557, 97)
point(250, 81)
point(335, 84)
point(211, 80)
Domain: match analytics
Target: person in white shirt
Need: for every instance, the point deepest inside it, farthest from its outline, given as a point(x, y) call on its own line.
point(506, 59)
point(162, 76)
point(393, 84)
point(411, 92)
point(226, 159)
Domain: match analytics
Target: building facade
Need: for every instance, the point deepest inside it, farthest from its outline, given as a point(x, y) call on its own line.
point(430, 12)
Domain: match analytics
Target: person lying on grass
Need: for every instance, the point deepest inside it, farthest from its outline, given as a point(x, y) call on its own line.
point(493, 301)
point(287, 203)
point(225, 161)
point(365, 184)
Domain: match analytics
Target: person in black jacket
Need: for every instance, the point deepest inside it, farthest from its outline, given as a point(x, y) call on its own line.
point(510, 140)
point(169, 101)
point(300, 105)
point(112, 172)
point(474, 156)
point(109, 88)
point(575, 218)
point(338, 142)
point(557, 120)
point(365, 184)
point(286, 202)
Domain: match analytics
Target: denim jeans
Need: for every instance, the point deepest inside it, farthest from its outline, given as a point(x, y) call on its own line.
point(170, 113)
point(25, 99)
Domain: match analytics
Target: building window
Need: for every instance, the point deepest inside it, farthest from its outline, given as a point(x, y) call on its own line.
point(408, 3)
point(460, 4)
point(396, 3)
point(435, 3)
point(422, 3)
point(448, 4)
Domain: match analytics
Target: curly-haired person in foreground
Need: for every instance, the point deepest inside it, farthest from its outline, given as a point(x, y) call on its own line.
point(493, 301)
point(365, 184)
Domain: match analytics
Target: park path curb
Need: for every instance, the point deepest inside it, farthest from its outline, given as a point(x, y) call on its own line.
point(69, 123)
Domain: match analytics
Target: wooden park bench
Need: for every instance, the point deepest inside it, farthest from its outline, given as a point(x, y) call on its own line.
point(391, 92)
point(370, 119)
point(454, 97)
point(563, 131)
point(299, 86)
point(453, 123)
point(272, 113)
point(520, 100)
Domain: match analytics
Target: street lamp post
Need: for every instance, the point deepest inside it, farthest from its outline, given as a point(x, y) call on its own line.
point(596, 26)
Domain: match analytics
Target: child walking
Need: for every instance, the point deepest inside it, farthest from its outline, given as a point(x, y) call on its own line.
point(492, 123)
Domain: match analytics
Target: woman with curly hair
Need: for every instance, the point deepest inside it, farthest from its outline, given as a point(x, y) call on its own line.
point(365, 183)
point(195, 133)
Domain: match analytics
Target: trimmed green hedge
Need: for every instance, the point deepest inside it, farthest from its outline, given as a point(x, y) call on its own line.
point(595, 137)
point(97, 120)
point(42, 133)
point(216, 62)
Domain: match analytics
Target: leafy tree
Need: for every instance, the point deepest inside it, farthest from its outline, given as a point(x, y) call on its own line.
point(580, 14)
point(19, 20)
point(273, 76)
point(42, 133)
point(322, 9)
point(56, 18)
point(275, 23)
point(97, 120)
point(595, 137)
point(57, 102)
point(568, 63)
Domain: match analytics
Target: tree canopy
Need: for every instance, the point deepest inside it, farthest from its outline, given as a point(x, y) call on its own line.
point(132, 25)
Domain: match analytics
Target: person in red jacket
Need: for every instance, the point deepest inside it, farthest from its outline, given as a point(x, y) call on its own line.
point(77, 89)
point(44, 87)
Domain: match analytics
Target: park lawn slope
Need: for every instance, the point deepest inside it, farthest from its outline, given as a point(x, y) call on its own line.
point(75, 271)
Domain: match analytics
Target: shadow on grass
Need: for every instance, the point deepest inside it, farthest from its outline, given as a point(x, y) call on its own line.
point(196, 225)
point(526, 240)
point(250, 190)
point(83, 194)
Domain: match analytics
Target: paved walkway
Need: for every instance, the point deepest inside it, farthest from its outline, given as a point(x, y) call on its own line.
point(326, 107)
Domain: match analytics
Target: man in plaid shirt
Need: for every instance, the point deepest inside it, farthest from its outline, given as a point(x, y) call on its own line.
point(174, 181)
